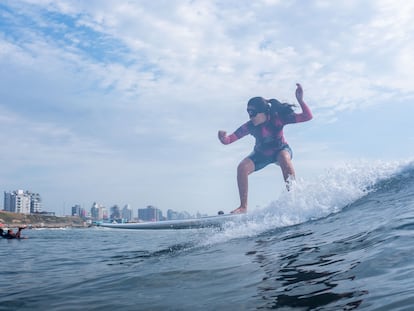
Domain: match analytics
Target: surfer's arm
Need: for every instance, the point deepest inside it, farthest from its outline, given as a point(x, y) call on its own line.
point(306, 114)
point(19, 232)
point(239, 133)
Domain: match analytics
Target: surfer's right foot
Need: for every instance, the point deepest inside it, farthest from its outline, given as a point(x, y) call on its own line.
point(240, 210)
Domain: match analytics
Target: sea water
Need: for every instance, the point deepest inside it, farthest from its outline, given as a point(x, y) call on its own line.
point(342, 241)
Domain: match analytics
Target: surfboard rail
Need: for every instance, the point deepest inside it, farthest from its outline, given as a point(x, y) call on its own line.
point(191, 223)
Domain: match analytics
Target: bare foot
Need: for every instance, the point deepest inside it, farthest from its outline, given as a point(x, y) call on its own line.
point(240, 210)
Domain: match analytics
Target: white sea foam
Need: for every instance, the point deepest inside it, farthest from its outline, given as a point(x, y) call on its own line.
point(312, 199)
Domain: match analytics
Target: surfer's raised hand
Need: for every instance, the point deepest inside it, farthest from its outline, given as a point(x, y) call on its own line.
point(306, 114)
point(222, 136)
point(299, 93)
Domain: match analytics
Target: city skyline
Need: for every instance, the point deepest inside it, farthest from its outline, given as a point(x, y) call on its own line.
point(100, 212)
point(28, 202)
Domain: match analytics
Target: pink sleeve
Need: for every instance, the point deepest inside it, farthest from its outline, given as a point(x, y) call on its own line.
point(306, 114)
point(229, 139)
point(239, 133)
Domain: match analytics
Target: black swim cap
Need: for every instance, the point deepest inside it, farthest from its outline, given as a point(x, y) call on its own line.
point(259, 104)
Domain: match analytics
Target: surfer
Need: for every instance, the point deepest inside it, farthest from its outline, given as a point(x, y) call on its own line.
point(10, 234)
point(267, 118)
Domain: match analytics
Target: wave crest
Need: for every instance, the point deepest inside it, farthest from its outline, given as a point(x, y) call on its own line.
point(326, 194)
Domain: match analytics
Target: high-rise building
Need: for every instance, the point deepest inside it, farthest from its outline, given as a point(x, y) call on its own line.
point(115, 212)
point(172, 215)
point(35, 203)
point(76, 210)
point(150, 213)
point(98, 212)
point(8, 205)
point(20, 201)
point(127, 213)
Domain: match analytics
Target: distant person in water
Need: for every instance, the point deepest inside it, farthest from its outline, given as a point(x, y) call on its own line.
point(267, 118)
point(10, 234)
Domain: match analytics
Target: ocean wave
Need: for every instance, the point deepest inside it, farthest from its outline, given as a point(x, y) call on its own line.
point(324, 195)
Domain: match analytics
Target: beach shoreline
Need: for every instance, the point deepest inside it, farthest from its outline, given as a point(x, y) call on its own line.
point(14, 220)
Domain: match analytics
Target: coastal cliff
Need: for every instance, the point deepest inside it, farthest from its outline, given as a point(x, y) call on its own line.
point(11, 220)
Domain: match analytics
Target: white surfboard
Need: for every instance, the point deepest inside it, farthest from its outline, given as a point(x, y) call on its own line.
point(193, 223)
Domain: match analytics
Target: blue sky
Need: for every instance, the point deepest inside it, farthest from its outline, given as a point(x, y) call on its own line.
point(119, 102)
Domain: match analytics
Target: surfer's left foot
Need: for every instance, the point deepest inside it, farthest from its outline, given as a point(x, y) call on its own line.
point(240, 210)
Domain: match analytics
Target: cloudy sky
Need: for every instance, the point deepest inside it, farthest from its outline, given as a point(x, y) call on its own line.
point(119, 102)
